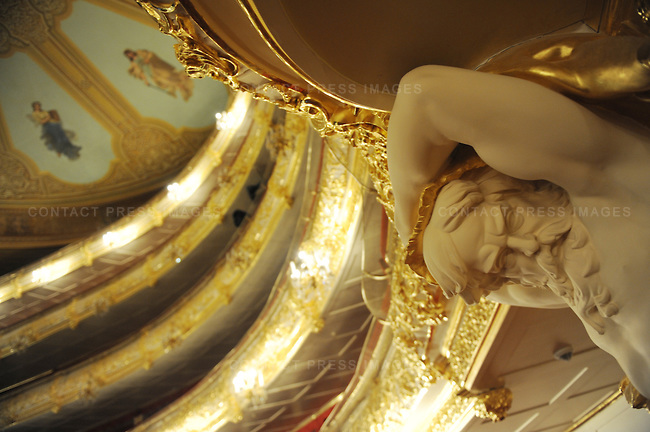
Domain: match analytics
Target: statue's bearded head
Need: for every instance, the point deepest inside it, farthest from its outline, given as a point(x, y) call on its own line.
point(488, 229)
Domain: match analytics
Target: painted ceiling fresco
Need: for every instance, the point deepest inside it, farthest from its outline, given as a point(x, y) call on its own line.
point(94, 105)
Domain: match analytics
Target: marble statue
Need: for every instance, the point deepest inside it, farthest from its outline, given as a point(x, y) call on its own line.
point(557, 213)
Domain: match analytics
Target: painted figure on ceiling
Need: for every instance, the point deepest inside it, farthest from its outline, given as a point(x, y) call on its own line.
point(152, 70)
point(56, 138)
point(556, 212)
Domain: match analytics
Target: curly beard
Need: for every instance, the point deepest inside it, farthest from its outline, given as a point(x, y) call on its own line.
point(571, 267)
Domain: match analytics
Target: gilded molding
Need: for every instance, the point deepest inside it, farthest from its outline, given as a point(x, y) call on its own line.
point(391, 394)
point(451, 411)
point(17, 179)
point(163, 336)
point(149, 152)
point(592, 413)
point(204, 56)
point(491, 405)
point(635, 399)
point(413, 316)
point(407, 370)
point(458, 406)
point(466, 342)
point(414, 303)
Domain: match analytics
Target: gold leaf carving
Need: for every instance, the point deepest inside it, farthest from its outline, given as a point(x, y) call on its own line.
point(493, 404)
point(16, 180)
point(200, 65)
point(466, 342)
point(633, 396)
point(449, 413)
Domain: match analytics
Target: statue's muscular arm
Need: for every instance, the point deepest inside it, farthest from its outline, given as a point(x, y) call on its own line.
point(519, 128)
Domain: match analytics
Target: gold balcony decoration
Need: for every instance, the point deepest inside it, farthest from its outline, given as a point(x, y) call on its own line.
point(409, 369)
point(294, 311)
point(414, 313)
point(456, 407)
point(453, 409)
point(415, 305)
point(493, 404)
point(142, 351)
point(395, 379)
point(464, 343)
point(205, 55)
point(159, 261)
point(635, 399)
point(450, 412)
point(391, 395)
